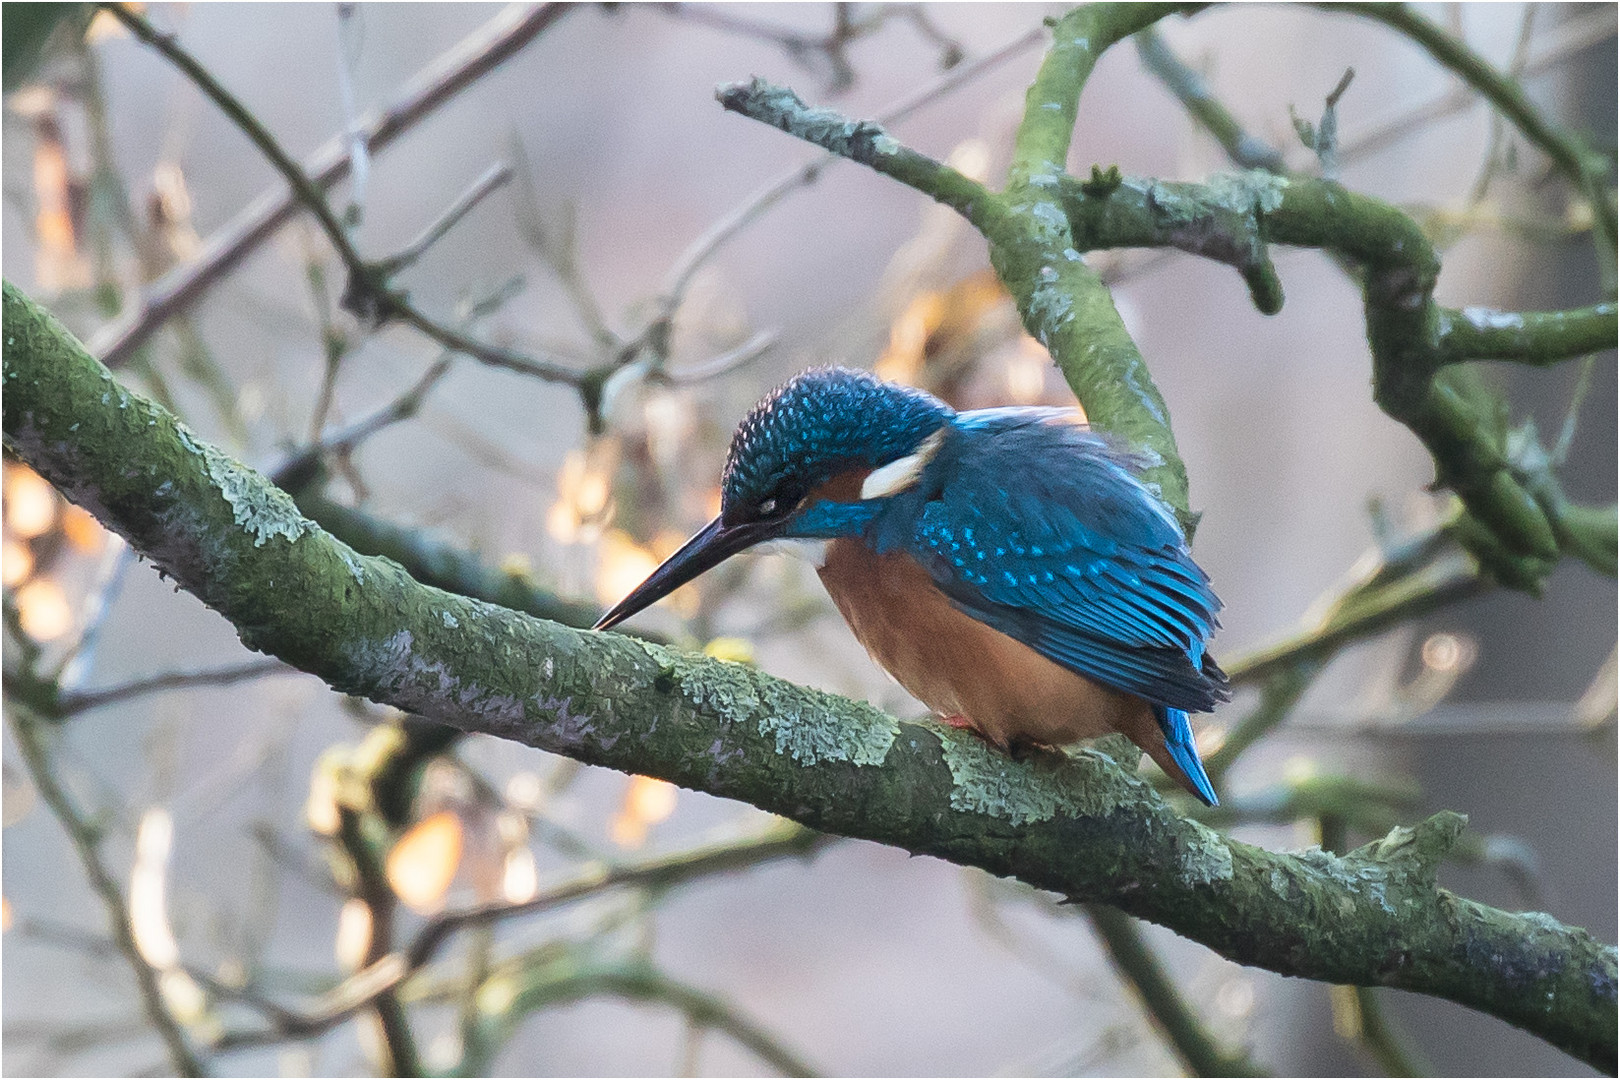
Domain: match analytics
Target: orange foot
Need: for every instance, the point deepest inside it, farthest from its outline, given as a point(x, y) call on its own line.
point(957, 720)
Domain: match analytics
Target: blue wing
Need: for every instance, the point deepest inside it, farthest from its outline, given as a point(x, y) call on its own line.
point(1039, 528)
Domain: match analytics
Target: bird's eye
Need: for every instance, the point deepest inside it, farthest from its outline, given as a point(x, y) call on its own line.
point(768, 507)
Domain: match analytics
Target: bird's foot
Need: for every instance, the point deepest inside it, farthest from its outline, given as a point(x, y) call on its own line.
point(1027, 750)
point(957, 720)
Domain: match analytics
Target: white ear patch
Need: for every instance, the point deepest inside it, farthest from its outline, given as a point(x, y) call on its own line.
point(896, 476)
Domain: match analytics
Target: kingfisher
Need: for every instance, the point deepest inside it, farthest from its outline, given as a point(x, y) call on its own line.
point(1008, 566)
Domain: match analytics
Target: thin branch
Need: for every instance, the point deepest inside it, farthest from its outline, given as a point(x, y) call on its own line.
point(559, 252)
point(1286, 684)
point(679, 278)
point(1516, 516)
point(366, 846)
point(1558, 44)
point(1491, 162)
point(347, 438)
point(334, 343)
point(27, 731)
point(1361, 611)
point(780, 841)
point(1243, 149)
point(547, 978)
point(349, 39)
point(486, 353)
point(725, 363)
point(492, 180)
point(452, 72)
point(1175, 1019)
point(1391, 1047)
point(367, 294)
point(1581, 165)
point(388, 973)
point(832, 46)
point(864, 141)
point(299, 470)
point(71, 704)
point(306, 192)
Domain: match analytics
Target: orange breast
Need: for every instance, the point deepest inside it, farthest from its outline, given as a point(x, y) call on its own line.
point(958, 666)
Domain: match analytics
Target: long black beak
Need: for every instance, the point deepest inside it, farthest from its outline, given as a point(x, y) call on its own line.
point(713, 545)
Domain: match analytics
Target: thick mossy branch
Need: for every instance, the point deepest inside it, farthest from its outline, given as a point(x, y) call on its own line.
point(433, 562)
point(1063, 302)
point(1234, 218)
point(1538, 338)
point(1052, 103)
point(1040, 226)
point(1077, 825)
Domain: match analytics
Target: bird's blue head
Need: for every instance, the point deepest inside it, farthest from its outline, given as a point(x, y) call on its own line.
point(820, 425)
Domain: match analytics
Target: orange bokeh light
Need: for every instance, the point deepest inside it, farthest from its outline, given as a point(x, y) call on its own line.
point(43, 610)
point(423, 862)
point(30, 503)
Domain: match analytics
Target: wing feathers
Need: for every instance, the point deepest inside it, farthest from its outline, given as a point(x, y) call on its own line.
point(1041, 530)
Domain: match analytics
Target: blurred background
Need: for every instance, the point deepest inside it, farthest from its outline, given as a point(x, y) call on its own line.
point(213, 804)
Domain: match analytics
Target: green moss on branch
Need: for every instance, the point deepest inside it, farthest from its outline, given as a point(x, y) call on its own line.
point(1235, 218)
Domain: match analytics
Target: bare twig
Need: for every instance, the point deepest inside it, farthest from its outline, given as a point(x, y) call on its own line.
point(349, 38)
point(387, 973)
point(1175, 1019)
point(833, 46)
point(1492, 162)
point(1363, 611)
point(727, 362)
point(1394, 1050)
point(367, 294)
point(493, 178)
point(559, 252)
point(679, 278)
point(485, 353)
point(556, 974)
point(1245, 150)
point(85, 700)
point(1558, 44)
point(299, 470)
point(26, 729)
point(452, 72)
point(306, 192)
point(1579, 164)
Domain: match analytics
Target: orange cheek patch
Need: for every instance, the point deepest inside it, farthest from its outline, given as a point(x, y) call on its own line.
point(844, 487)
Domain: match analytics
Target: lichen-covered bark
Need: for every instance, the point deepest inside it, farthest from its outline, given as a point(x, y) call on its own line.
point(1063, 302)
point(1414, 341)
point(1079, 825)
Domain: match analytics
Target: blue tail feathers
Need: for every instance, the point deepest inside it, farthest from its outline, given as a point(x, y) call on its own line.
point(1178, 739)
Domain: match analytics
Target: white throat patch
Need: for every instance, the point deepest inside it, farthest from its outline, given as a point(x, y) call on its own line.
point(896, 476)
point(811, 551)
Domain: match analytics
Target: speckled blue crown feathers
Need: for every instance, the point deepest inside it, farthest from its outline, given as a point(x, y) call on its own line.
point(823, 421)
